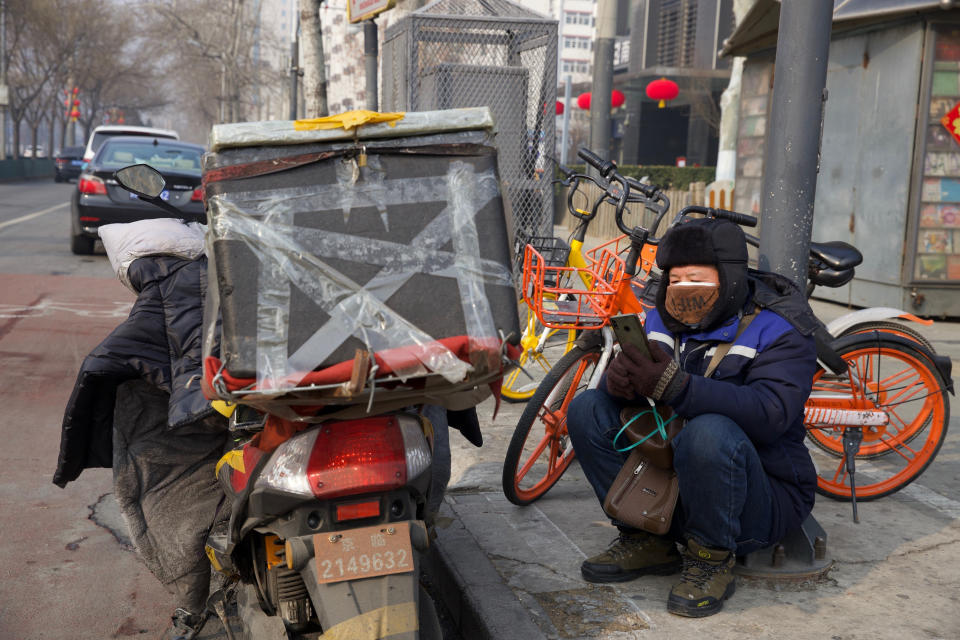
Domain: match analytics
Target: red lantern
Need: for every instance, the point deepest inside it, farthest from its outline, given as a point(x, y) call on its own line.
point(662, 90)
point(616, 100)
point(75, 113)
point(120, 120)
point(76, 90)
point(76, 103)
point(559, 108)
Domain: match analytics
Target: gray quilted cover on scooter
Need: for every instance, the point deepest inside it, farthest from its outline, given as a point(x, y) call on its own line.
point(166, 488)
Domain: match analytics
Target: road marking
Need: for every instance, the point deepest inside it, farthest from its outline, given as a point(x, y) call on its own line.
point(30, 216)
point(917, 491)
point(49, 307)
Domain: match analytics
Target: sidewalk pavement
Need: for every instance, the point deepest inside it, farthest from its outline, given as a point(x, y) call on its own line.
point(514, 572)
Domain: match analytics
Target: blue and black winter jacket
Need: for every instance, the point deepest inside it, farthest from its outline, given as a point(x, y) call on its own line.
point(761, 384)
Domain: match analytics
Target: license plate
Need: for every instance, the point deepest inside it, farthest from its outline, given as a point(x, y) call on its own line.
point(76, 163)
point(164, 195)
point(363, 553)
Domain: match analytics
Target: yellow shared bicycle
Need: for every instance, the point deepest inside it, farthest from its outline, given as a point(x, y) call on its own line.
point(543, 346)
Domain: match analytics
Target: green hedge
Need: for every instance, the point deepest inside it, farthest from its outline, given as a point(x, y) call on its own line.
point(24, 168)
point(664, 176)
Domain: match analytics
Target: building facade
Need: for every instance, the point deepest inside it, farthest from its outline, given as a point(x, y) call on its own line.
point(889, 173)
point(678, 40)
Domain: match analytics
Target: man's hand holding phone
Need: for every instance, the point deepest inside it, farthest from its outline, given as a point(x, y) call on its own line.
point(642, 368)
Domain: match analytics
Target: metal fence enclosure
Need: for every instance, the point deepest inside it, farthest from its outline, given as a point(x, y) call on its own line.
point(494, 53)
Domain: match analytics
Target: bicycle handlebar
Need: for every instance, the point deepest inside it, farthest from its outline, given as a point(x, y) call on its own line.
point(743, 219)
point(618, 193)
point(649, 190)
point(605, 167)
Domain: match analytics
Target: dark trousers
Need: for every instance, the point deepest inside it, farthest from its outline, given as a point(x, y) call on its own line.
point(726, 501)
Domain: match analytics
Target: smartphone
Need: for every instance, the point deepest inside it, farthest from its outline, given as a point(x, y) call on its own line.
point(629, 330)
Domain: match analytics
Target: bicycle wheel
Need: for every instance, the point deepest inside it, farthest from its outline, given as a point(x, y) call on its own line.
point(542, 348)
point(887, 377)
point(540, 450)
point(896, 328)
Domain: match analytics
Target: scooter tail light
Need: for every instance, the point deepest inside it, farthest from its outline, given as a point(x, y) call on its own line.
point(349, 458)
point(359, 456)
point(287, 469)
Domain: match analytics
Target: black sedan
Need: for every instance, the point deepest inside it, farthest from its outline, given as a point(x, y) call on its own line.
point(100, 200)
point(67, 163)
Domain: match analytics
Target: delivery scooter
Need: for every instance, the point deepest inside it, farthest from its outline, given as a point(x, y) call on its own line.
point(327, 529)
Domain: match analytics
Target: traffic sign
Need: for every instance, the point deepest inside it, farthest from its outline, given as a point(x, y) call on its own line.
point(359, 10)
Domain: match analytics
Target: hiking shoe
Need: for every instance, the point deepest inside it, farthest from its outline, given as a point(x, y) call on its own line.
point(706, 582)
point(183, 625)
point(633, 555)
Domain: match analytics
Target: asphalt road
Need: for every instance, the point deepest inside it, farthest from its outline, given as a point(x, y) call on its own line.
point(62, 575)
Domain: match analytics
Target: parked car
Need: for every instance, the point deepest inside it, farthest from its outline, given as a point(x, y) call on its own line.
point(104, 132)
point(67, 163)
point(99, 200)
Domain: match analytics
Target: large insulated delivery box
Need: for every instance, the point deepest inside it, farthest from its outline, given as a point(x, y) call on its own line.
point(389, 238)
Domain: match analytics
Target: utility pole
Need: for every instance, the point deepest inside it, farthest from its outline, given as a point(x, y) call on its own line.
point(294, 66)
point(4, 90)
point(71, 125)
point(370, 46)
point(602, 78)
point(565, 132)
point(792, 157)
point(223, 90)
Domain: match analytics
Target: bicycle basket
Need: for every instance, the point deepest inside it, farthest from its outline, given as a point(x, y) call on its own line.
point(564, 307)
point(621, 246)
point(554, 251)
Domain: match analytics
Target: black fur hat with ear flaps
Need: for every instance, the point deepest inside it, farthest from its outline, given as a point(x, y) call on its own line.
point(718, 243)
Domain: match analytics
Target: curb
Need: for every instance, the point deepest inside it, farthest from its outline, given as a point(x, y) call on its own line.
point(481, 604)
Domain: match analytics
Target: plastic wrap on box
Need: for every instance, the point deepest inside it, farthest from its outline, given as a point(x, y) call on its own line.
point(393, 245)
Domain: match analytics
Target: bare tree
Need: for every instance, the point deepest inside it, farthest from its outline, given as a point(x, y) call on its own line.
point(704, 105)
point(29, 63)
point(219, 49)
point(91, 44)
point(314, 64)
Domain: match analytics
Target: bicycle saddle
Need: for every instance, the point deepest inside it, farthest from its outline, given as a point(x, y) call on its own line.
point(836, 254)
point(830, 277)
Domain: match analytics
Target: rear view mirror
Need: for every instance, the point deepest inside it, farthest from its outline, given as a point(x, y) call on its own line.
point(141, 179)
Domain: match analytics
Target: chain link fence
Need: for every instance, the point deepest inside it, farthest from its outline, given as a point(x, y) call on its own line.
point(494, 53)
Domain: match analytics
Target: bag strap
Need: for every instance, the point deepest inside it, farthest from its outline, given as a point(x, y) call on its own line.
point(724, 347)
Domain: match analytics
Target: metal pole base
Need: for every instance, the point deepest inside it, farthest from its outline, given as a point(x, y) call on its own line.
point(801, 556)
